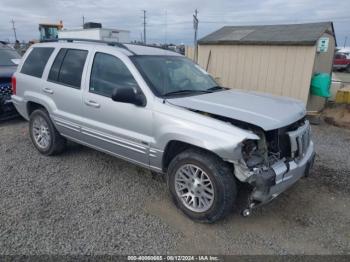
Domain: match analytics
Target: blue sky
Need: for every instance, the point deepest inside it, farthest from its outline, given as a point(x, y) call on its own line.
point(169, 20)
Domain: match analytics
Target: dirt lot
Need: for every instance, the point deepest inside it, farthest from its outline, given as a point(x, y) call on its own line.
point(86, 202)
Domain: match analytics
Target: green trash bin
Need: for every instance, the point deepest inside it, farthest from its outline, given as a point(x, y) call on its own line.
point(320, 84)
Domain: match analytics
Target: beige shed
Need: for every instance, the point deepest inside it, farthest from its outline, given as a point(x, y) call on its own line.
point(278, 59)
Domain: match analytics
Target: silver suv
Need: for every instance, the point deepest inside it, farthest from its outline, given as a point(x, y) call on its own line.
point(159, 110)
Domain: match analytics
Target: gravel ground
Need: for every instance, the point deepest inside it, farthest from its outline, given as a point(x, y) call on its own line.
point(86, 202)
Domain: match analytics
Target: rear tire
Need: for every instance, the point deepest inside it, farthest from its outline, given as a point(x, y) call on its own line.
point(44, 135)
point(202, 185)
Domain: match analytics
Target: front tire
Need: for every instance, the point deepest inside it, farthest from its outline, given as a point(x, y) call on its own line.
point(44, 135)
point(202, 185)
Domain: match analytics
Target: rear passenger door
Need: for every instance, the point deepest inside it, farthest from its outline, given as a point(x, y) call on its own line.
point(119, 128)
point(65, 80)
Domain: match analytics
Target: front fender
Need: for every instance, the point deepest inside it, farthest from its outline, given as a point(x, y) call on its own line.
point(219, 137)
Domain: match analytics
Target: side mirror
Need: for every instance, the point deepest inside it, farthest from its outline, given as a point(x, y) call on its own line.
point(129, 95)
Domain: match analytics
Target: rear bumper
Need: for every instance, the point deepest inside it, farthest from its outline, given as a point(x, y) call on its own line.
point(281, 176)
point(340, 66)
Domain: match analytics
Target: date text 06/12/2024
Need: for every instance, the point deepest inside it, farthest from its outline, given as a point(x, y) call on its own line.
point(173, 258)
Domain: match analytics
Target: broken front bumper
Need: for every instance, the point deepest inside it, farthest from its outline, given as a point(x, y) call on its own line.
point(272, 182)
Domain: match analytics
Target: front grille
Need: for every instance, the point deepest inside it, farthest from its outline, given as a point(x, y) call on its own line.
point(5, 89)
point(300, 140)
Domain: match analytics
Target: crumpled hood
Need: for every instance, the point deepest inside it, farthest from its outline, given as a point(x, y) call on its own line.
point(266, 111)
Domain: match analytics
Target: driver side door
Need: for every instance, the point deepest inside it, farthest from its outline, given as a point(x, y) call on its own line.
point(121, 129)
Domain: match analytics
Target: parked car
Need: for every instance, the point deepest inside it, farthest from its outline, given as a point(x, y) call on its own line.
point(342, 61)
point(159, 110)
point(8, 64)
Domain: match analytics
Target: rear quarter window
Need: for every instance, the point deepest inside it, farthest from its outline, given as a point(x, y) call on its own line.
point(35, 63)
point(68, 67)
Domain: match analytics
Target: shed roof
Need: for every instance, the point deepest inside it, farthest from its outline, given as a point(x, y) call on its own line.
point(287, 34)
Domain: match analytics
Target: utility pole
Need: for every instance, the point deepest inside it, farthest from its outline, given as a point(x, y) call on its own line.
point(346, 38)
point(195, 26)
point(166, 27)
point(83, 20)
point(14, 29)
point(144, 26)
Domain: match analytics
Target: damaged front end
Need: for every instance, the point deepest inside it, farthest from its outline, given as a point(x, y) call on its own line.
point(276, 161)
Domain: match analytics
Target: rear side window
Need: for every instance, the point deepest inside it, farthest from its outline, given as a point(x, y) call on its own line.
point(68, 67)
point(36, 61)
point(109, 72)
point(55, 68)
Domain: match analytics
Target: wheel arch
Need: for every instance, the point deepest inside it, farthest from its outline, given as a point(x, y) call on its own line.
point(32, 106)
point(175, 147)
point(36, 100)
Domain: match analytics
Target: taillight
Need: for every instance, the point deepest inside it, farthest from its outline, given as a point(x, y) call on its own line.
point(13, 85)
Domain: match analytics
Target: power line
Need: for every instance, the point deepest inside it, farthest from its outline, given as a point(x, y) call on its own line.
point(334, 19)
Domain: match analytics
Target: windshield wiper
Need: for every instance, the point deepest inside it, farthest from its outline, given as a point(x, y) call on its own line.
point(216, 88)
point(186, 91)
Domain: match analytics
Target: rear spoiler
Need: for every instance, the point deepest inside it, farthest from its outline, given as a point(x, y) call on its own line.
point(16, 61)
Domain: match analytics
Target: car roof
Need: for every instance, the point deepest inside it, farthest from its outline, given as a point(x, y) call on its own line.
point(127, 49)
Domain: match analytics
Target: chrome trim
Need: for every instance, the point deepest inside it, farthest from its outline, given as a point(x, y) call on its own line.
point(155, 168)
point(295, 172)
point(280, 168)
point(299, 140)
point(67, 124)
point(155, 150)
point(115, 140)
point(111, 153)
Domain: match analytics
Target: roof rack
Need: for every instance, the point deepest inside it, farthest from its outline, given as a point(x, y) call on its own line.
point(153, 46)
point(116, 44)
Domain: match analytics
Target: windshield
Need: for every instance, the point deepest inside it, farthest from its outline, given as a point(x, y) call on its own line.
point(173, 75)
point(6, 55)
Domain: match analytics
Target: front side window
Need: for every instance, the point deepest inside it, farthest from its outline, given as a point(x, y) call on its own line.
point(109, 72)
point(168, 75)
point(36, 61)
point(68, 67)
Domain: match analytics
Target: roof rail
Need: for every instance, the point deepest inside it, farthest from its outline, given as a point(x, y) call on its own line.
point(153, 46)
point(116, 44)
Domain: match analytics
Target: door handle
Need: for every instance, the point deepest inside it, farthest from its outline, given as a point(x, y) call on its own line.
point(47, 90)
point(92, 103)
